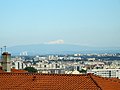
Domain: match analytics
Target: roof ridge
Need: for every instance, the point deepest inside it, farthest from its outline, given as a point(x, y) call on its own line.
point(43, 74)
point(90, 75)
point(110, 79)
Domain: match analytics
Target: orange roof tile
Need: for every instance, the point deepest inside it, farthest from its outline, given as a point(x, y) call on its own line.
point(1, 71)
point(107, 83)
point(22, 81)
point(13, 70)
point(18, 71)
point(28, 81)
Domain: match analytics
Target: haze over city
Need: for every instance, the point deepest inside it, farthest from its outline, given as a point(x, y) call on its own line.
point(82, 22)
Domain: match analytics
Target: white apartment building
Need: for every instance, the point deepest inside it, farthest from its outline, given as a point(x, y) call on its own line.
point(110, 73)
point(18, 63)
point(52, 57)
point(45, 66)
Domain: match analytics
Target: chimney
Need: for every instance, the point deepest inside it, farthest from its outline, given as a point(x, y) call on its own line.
point(6, 57)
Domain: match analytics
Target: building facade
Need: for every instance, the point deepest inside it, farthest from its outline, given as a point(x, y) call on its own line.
point(110, 73)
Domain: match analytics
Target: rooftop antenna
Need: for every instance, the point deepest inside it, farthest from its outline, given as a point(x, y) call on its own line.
point(5, 48)
point(1, 53)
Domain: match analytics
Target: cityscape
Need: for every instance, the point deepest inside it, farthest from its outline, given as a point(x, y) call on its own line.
point(76, 65)
point(59, 45)
point(105, 65)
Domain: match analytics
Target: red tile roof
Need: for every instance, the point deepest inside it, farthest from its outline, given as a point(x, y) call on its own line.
point(14, 71)
point(18, 71)
point(28, 81)
point(22, 81)
point(107, 83)
point(1, 71)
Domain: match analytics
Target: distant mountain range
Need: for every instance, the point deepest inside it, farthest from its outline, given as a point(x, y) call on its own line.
point(41, 49)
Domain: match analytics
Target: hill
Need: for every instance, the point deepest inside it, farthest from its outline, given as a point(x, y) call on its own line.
point(38, 49)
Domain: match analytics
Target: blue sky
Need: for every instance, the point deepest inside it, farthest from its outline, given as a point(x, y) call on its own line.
point(83, 22)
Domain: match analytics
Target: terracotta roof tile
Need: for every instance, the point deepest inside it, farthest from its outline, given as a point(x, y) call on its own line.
point(18, 71)
point(28, 81)
point(1, 71)
point(107, 83)
point(22, 81)
point(13, 70)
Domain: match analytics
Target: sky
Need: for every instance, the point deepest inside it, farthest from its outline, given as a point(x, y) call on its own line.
point(83, 22)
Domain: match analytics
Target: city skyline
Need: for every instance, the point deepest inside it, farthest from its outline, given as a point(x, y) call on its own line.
point(88, 22)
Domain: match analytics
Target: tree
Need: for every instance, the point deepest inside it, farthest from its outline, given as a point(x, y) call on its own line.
point(83, 71)
point(31, 69)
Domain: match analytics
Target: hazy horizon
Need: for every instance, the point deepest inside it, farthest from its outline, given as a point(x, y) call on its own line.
point(94, 23)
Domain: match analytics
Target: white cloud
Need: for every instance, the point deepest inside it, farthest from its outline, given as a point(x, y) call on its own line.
point(56, 42)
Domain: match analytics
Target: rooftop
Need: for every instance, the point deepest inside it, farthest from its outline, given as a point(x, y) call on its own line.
point(13, 70)
point(29, 81)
